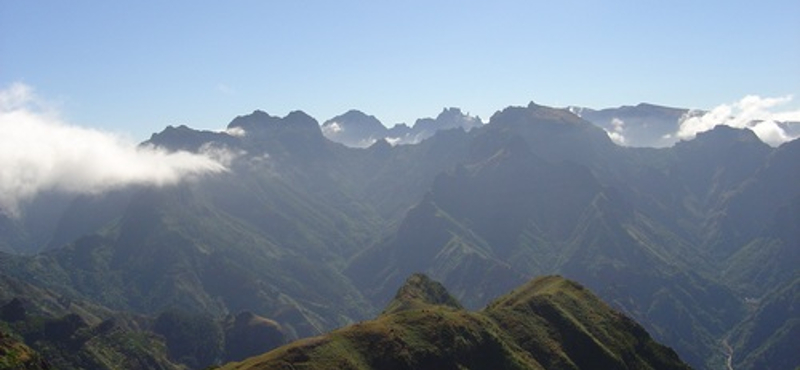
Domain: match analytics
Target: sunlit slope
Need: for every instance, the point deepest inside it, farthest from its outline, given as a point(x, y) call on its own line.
point(548, 323)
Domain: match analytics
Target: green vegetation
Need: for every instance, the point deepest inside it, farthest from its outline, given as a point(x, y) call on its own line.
point(16, 355)
point(70, 343)
point(419, 291)
point(173, 340)
point(550, 323)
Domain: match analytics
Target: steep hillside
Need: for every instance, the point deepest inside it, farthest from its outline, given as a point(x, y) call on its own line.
point(16, 355)
point(249, 239)
point(40, 324)
point(768, 338)
point(41, 329)
point(510, 213)
point(549, 323)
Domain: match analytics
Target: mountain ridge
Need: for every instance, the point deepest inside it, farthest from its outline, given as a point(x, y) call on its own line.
point(507, 334)
point(359, 130)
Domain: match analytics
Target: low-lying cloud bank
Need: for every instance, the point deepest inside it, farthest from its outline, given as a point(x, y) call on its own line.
point(752, 112)
point(39, 152)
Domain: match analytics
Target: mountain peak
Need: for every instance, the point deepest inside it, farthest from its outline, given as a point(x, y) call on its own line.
point(420, 291)
point(264, 125)
point(355, 129)
point(542, 286)
point(356, 117)
point(537, 113)
point(451, 112)
point(259, 120)
point(722, 137)
point(252, 120)
point(555, 334)
point(449, 118)
point(185, 138)
point(300, 117)
point(723, 133)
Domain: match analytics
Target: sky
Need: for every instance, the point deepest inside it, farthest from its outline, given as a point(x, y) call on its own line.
point(132, 68)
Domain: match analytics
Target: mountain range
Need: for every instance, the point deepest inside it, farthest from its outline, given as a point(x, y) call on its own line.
point(358, 130)
point(302, 234)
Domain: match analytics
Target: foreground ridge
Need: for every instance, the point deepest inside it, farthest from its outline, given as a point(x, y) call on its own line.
point(548, 323)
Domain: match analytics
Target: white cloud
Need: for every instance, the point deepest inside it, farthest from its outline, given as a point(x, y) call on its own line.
point(236, 131)
point(616, 137)
point(332, 129)
point(618, 124)
point(220, 153)
point(39, 152)
point(616, 132)
point(770, 133)
point(751, 112)
point(393, 141)
point(366, 143)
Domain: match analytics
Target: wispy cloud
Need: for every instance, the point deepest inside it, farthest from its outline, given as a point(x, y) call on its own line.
point(40, 152)
point(225, 89)
point(616, 134)
point(753, 112)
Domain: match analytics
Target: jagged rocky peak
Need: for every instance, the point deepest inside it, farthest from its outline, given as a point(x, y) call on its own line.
point(357, 129)
point(400, 128)
point(170, 132)
point(253, 120)
point(261, 124)
point(454, 117)
point(420, 291)
point(447, 119)
point(185, 138)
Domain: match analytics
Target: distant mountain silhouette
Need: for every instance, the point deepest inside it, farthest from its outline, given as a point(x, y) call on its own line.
point(642, 125)
point(358, 130)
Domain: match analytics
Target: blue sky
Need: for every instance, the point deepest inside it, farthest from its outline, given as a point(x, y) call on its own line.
point(135, 67)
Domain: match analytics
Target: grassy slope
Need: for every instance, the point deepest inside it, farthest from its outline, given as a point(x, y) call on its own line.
point(548, 323)
point(14, 354)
